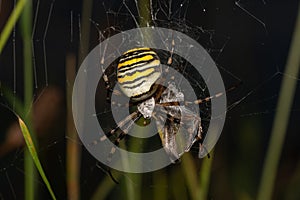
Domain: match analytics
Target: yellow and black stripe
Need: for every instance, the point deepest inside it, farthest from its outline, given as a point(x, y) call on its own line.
point(138, 70)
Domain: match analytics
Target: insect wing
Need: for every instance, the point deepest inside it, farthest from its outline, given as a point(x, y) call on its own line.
point(190, 128)
point(167, 129)
point(178, 132)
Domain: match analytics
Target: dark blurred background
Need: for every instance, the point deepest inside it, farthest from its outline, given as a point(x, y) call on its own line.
point(249, 41)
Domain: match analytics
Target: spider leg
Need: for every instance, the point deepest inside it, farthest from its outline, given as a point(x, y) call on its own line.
point(123, 123)
point(186, 103)
point(105, 77)
point(123, 134)
point(107, 84)
point(171, 50)
point(170, 59)
point(199, 101)
point(135, 115)
point(117, 141)
point(114, 130)
point(125, 131)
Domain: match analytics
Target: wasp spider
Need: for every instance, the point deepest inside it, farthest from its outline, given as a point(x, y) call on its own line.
point(139, 75)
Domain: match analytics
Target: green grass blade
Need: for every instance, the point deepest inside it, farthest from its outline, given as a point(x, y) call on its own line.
point(11, 23)
point(145, 12)
point(105, 187)
point(205, 173)
point(287, 92)
point(73, 150)
point(25, 28)
point(34, 155)
point(190, 171)
point(12, 99)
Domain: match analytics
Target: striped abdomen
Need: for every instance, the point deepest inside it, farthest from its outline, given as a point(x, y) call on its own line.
point(138, 70)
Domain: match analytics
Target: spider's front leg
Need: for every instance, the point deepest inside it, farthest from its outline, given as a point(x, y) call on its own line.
point(107, 87)
point(133, 117)
point(129, 120)
point(107, 84)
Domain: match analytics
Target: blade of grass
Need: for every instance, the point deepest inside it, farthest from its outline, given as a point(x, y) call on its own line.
point(14, 102)
point(34, 156)
point(129, 182)
point(29, 143)
point(26, 25)
point(85, 29)
point(26, 33)
point(133, 182)
point(105, 187)
point(279, 129)
point(144, 11)
point(161, 183)
point(189, 170)
point(198, 189)
point(205, 176)
point(11, 23)
point(73, 149)
point(176, 184)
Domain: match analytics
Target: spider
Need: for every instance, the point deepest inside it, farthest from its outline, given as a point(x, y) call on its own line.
point(140, 77)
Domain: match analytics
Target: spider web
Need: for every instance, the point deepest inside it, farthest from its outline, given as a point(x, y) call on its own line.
point(248, 40)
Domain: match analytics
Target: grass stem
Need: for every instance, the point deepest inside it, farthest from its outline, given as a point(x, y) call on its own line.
point(26, 26)
point(286, 96)
point(11, 23)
